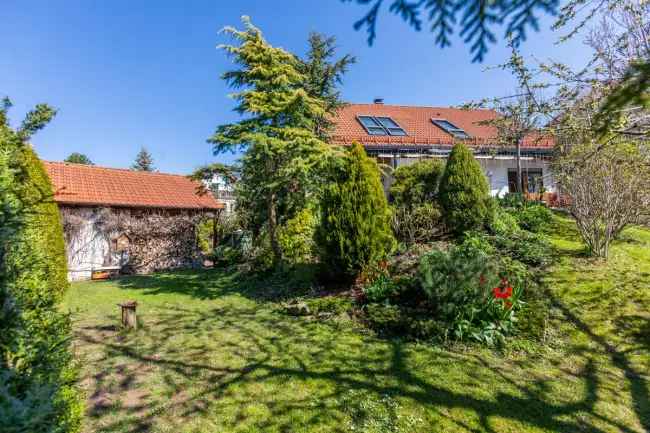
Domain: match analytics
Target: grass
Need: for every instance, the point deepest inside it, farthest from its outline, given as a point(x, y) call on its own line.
point(214, 354)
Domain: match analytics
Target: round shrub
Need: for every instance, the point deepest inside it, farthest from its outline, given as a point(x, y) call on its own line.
point(354, 230)
point(464, 193)
point(416, 184)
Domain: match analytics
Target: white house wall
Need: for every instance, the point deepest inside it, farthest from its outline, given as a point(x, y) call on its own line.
point(89, 249)
point(494, 167)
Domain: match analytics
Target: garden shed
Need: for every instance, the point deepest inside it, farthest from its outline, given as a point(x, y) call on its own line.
point(132, 221)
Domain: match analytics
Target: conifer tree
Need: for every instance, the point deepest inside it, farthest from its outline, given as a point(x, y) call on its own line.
point(323, 74)
point(36, 380)
point(355, 222)
point(78, 158)
point(143, 161)
point(464, 193)
point(282, 150)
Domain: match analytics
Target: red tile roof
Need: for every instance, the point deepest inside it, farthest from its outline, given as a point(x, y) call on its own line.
point(80, 184)
point(416, 121)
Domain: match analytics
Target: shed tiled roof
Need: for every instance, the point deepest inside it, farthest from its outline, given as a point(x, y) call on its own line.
point(416, 121)
point(78, 184)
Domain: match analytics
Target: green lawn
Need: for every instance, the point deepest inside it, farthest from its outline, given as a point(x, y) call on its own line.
point(213, 356)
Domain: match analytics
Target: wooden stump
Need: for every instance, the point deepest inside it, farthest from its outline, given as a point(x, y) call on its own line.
point(129, 317)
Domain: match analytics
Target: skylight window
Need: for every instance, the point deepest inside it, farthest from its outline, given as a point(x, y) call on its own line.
point(381, 126)
point(450, 128)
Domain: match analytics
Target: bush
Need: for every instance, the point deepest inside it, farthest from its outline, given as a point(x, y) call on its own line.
point(530, 248)
point(37, 391)
point(464, 193)
point(330, 304)
point(416, 184)
point(354, 230)
point(296, 237)
point(460, 285)
point(422, 223)
point(534, 217)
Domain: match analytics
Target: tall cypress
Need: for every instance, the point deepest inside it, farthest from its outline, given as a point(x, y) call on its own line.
point(355, 222)
point(464, 193)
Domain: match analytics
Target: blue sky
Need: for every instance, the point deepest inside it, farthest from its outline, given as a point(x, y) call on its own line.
point(126, 74)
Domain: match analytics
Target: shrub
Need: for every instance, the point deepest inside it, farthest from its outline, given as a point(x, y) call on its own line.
point(421, 223)
point(354, 230)
point(37, 391)
point(460, 284)
point(417, 183)
point(534, 217)
point(330, 304)
point(530, 248)
point(296, 237)
point(464, 193)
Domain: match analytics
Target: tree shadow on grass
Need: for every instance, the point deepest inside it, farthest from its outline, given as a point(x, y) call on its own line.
point(250, 369)
point(214, 283)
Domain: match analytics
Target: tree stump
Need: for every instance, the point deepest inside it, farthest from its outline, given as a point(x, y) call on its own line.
point(129, 317)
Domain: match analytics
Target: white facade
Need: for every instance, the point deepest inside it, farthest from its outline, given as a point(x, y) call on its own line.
point(496, 169)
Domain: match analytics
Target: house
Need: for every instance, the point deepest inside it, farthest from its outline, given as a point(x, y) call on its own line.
point(397, 135)
point(131, 221)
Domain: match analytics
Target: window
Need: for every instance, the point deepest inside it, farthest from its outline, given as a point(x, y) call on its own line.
point(450, 128)
point(532, 179)
point(380, 126)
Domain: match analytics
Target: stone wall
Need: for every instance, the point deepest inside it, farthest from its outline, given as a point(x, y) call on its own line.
point(153, 239)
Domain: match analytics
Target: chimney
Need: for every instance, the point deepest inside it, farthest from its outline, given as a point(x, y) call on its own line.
point(379, 100)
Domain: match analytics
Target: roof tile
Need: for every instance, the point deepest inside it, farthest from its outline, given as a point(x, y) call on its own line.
point(80, 184)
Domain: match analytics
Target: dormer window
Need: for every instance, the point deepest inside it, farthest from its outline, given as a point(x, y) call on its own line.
point(380, 126)
point(450, 128)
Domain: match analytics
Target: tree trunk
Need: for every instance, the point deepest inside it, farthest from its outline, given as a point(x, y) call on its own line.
point(520, 181)
point(273, 235)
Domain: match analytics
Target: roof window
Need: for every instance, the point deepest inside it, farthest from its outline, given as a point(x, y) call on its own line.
point(381, 126)
point(450, 128)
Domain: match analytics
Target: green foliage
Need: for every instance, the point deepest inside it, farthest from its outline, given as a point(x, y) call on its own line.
point(464, 193)
point(354, 230)
point(416, 184)
point(459, 283)
point(529, 215)
point(330, 304)
point(36, 378)
point(283, 152)
point(143, 161)
point(78, 158)
point(323, 76)
point(534, 218)
point(296, 237)
point(381, 290)
point(422, 223)
point(476, 19)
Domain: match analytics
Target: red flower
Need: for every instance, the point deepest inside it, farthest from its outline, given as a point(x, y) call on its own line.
point(502, 292)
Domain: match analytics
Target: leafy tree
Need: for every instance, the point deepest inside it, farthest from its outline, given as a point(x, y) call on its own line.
point(355, 222)
point(37, 391)
point(464, 193)
point(519, 117)
point(282, 150)
point(143, 161)
point(323, 76)
point(476, 19)
point(416, 184)
point(78, 158)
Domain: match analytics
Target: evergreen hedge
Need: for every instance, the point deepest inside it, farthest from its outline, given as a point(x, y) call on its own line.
point(464, 194)
point(37, 392)
point(354, 231)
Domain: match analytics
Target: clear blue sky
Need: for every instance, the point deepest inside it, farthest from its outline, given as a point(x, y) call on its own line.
point(126, 74)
